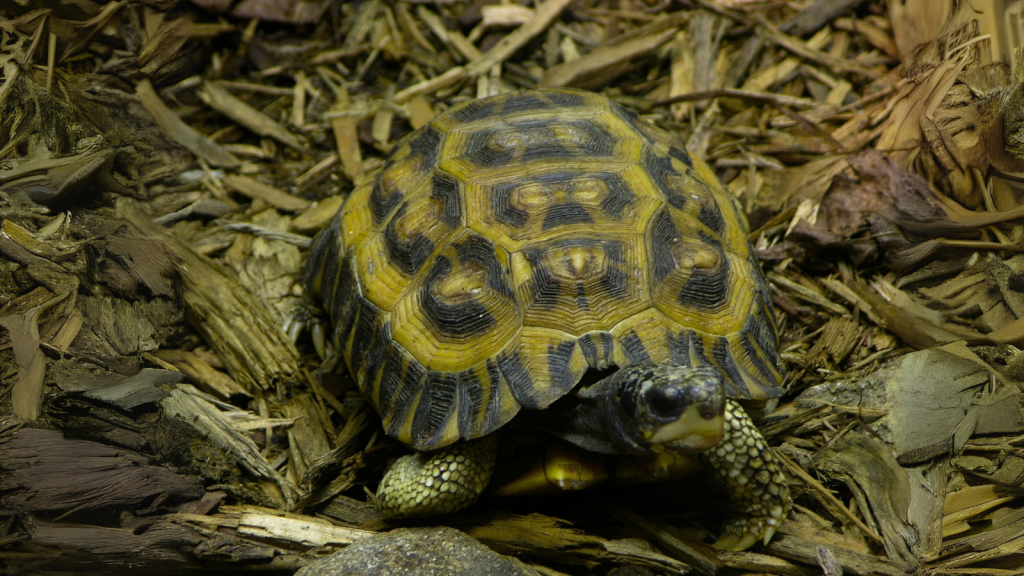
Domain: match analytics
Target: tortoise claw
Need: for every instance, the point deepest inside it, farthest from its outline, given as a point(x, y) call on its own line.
point(735, 542)
point(744, 532)
point(293, 328)
point(304, 315)
point(318, 333)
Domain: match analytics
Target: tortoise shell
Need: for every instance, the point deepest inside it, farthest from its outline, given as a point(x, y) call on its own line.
point(517, 241)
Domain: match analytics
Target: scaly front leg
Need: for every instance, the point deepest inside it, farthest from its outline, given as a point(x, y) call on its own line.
point(743, 462)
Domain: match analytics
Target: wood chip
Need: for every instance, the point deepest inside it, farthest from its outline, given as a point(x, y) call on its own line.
point(227, 104)
point(543, 15)
point(274, 196)
point(180, 132)
point(270, 525)
point(346, 136)
point(581, 72)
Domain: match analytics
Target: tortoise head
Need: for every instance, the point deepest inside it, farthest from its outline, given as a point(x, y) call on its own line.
point(647, 408)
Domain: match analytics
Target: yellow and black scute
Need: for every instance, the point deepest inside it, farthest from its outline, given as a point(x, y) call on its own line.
point(516, 241)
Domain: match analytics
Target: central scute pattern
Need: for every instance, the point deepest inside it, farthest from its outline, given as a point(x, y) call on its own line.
point(517, 241)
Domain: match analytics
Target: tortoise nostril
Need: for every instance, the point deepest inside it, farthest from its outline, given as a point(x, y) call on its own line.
point(666, 401)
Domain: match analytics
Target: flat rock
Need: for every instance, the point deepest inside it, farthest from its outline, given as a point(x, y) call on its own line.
point(419, 552)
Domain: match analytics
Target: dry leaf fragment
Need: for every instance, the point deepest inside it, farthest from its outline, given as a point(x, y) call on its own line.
point(875, 208)
point(21, 319)
point(52, 180)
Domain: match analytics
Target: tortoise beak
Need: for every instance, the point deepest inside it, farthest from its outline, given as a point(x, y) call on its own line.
point(691, 432)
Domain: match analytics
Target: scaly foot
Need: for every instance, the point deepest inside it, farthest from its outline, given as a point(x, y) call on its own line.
point(438, 482)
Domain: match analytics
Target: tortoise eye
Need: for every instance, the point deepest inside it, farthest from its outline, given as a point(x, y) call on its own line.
point(666, 401)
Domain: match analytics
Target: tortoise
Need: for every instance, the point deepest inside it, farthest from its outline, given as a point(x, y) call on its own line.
point(516, 243)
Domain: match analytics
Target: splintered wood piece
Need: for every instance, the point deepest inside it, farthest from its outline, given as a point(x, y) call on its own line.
point(105, 548)
point(408, 25)
point(878, 37)
point(923, 327)
point(238, 326)
point(88, 28)
point(307, 438)
point(917, 22)
point(956, 522)
point(463, 45)
point(363, 24)
point(853, 562)
point(769, 98)
point(681, 73)
point(209, 422)
point(927, 495)
point(935, 400)
point(700, 557)
point(55, 474)
point(452, 76)
point(838, 338)
point(229, 105)
point(829, 500)
point(880, 485)
point(975, 499)
point(542, 17)
point(802, 49)
point(276, 526)
point(754, 563)
point(68, 330)
point(381, 130)
point(916, 101)
point(507, 15)
point(544, 536)
point(807, 294)
point(201, 373)
point(354, 512)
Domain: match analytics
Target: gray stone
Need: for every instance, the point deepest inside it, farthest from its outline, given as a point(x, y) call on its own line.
point(418, 552)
